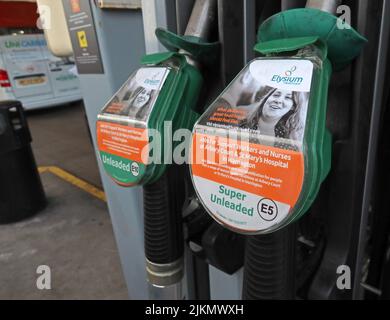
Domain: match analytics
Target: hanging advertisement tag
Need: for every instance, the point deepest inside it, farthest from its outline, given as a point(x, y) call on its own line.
point(122, 126)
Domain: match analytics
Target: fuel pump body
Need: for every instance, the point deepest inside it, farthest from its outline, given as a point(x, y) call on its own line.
point(339, 202)
point(121, 52)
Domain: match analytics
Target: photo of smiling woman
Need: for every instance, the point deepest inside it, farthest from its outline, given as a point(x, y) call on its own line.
point(272, 116)
point(137, 103)
point(280, 114)
point(133, 103)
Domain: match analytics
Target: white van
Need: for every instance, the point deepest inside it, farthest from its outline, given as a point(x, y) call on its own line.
point(31, 74)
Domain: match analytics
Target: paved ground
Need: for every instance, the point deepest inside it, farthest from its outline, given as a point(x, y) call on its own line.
point(73, 235)
point(61, 138)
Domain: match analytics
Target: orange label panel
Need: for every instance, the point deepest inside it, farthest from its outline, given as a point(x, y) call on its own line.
point(123, 141)
point(265, 171)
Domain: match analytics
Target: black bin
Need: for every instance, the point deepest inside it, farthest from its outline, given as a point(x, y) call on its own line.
point(21, 191)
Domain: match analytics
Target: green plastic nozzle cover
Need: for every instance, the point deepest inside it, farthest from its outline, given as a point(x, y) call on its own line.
point(176, 102)
point(343, 42)
point(338, 45)
point(306, 34)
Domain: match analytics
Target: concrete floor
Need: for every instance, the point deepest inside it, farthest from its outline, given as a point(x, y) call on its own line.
point(61, 138)
point(73, 235)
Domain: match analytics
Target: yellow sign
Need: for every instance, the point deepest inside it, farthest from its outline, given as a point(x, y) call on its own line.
point(82, 39)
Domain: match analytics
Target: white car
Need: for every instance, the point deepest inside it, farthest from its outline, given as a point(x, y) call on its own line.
point(31, 74)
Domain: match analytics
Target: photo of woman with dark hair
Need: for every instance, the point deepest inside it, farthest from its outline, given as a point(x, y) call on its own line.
point(137, 104)
point(134, 101)
point(273, 116)
point(280, 114)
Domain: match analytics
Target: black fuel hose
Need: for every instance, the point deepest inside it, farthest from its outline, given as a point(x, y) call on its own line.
point(269, 269)
point(163, 203)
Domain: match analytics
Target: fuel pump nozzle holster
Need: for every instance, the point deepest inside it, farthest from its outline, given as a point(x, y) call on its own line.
point(335, 44)
point(283, 173)
point(173, 83)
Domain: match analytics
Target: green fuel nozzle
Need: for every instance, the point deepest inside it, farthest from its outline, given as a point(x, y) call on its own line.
point(261, 150)
point(135, 133)
point(334, 44)
point(160, 96)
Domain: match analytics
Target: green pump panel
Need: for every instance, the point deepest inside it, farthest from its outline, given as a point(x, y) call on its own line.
point(261, 150)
